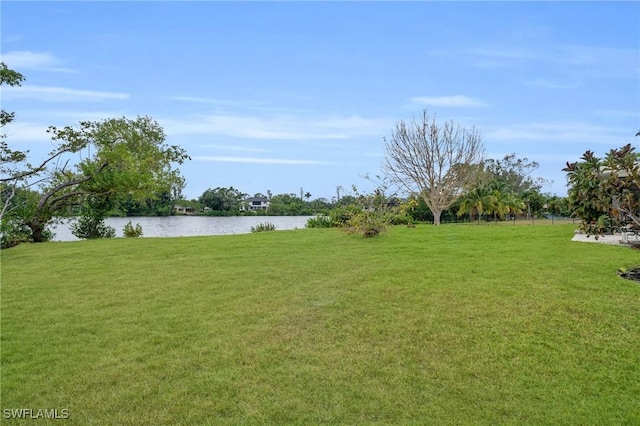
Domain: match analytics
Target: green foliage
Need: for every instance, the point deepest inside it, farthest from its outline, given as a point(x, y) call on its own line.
point(373, 212)
point(367, 224)
point(402, 218)
point(288, 205)
point(263, 227)
point(320, 221)
point(159, 204)
point(605, 193)
point(341, 216)
point(222, 199)
point(90, 223)
point(130, 231)
point(558, 206)
point(513, 173)
point(20, 204)
point(493, 198)
point(319, 206)
point(13, 233)
point(91, 228)
point(120, 159)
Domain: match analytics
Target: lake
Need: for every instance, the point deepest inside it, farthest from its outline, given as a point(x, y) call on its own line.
point(187, 226)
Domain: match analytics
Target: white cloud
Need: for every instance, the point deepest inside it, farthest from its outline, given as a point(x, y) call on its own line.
point(254, 160)
point(23, 59)
point(548, 84)
point(577, 61)
point(59, 94)
point(448, 101)
point(207, 101)
point(26, 132)
point(554, 132)
point(282, 127)
point(235, 148)
point(616, 113)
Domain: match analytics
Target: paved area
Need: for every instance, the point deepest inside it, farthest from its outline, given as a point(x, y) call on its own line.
point(605, 239)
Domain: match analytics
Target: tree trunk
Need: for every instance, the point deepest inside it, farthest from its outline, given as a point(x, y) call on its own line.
point(436, 217)
point(38, 234)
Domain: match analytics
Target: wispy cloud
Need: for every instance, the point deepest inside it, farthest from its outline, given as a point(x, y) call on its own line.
point(23, 59)
point(59, 94)
point(26, 132)
point(574, 60)
point(447, 101)
point(548, 84)
point(255, 105)
point(206, 101)
point(580, 133)
point(278, 127)
point(235, 148)
point(618, 113)
point(255, 160)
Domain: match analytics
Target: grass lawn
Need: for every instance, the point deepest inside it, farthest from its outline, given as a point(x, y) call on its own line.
point(458, 324)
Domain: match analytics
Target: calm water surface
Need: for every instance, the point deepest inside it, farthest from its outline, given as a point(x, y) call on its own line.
point(187, 226)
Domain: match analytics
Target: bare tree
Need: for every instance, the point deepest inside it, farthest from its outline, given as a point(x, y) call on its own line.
point(433, 160)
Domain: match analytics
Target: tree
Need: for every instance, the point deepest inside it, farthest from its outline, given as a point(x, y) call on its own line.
point(8, 158)
point(287, 205)
point(90, 224)
point(477, 201)
point(222, 199)
point(119, 157)
point(371, 213)
point(605, 193)
point(432, 160)
point(513, 205)
point(514, 173)
point(14, 168)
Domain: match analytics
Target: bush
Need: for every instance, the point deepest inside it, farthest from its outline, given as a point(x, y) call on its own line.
point(263, 227)
point(320, 221)
point(91, 228)
point(12, 233)
point(367, 224)
point(341, 216)
point(130, 231)
point(400, 219)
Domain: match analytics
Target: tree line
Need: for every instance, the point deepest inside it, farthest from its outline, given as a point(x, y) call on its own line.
point(123, 166)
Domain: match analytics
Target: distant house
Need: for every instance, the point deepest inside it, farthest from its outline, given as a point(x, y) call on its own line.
point(254, 204)
point(180, 209)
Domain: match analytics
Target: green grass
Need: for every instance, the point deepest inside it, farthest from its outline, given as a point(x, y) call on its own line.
point(457, 325)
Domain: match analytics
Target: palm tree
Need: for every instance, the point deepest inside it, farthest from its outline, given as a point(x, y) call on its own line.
point(513, 204)
point(478, 200)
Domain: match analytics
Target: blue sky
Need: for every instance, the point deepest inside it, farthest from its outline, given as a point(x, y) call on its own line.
point(282, 95)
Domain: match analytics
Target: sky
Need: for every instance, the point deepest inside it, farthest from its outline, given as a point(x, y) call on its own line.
point(279, 96)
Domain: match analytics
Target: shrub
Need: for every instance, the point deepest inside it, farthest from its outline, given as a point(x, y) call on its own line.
point(263, 227)
point(320, 221)
point(341, 216)
point(400, 219)
point(13, 233)
point(130, 231)
point(367, 224)
point(90, 227)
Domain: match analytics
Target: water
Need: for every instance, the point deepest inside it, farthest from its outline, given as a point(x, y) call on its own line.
point(186, 226)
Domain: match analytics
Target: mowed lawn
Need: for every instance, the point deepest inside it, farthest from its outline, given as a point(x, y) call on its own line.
point(458, 324)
